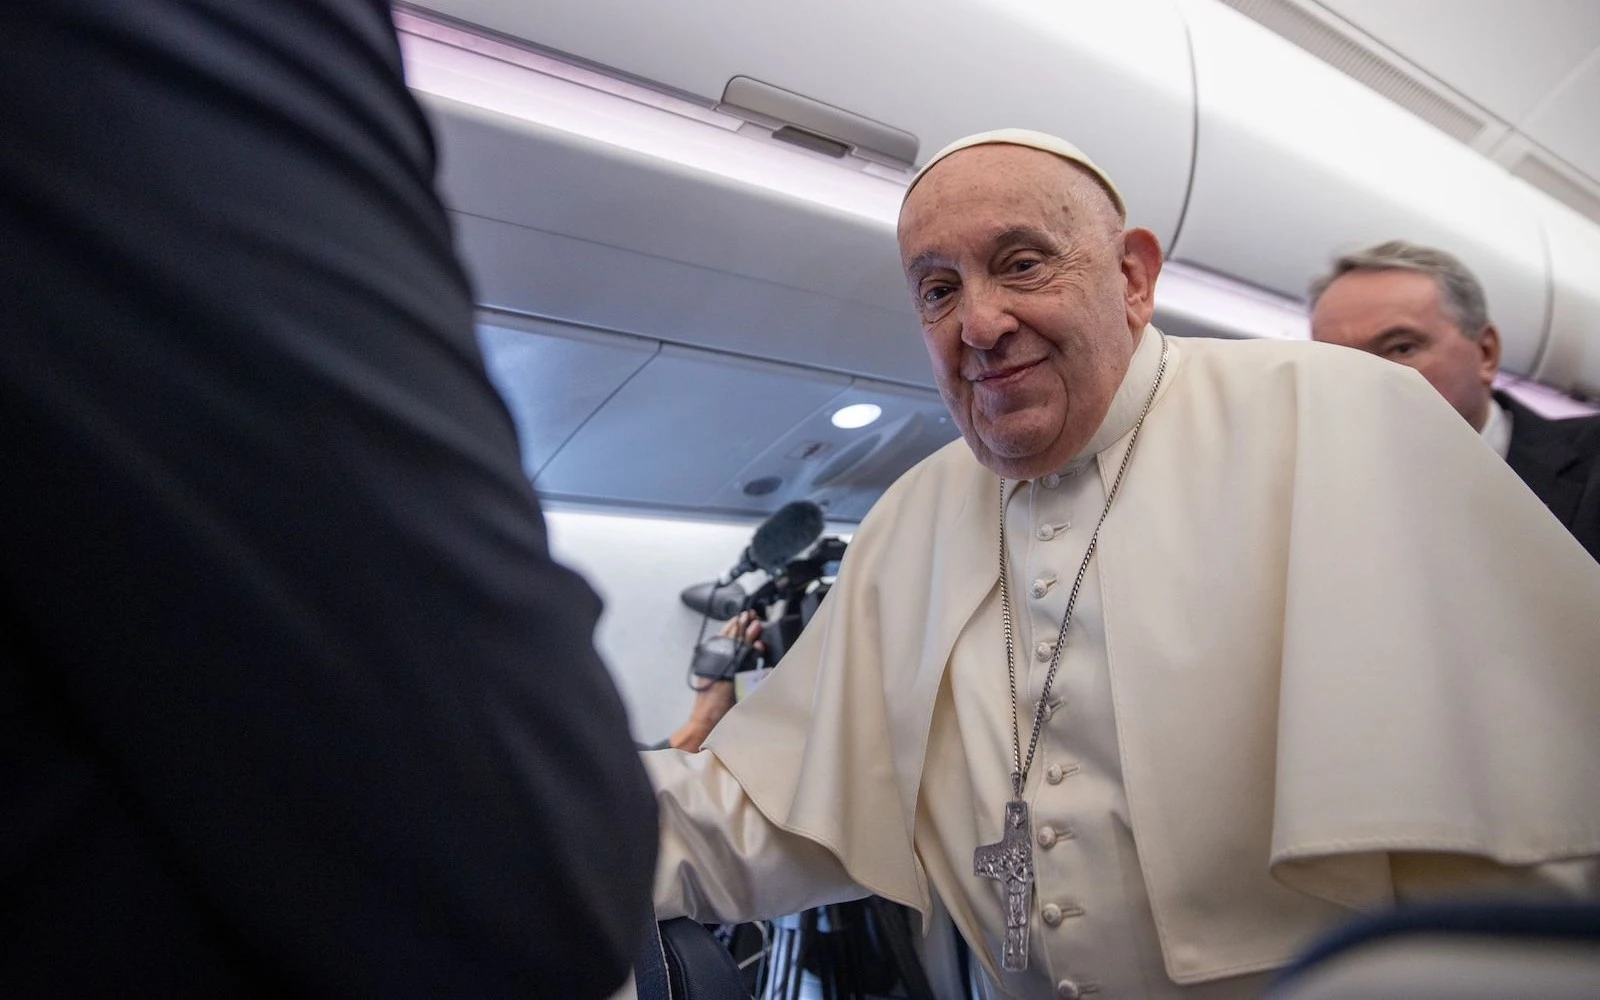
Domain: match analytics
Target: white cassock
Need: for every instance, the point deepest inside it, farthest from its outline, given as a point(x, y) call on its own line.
point(1331, 652)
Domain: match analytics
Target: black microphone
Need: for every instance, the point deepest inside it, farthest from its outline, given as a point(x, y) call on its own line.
point(781, 537)
point(713, 601)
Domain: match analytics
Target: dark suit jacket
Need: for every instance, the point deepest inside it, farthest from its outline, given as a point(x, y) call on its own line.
point(293, 700)
point(1560, 461)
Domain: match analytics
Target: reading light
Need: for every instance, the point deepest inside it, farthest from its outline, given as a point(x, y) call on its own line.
point(856, 415)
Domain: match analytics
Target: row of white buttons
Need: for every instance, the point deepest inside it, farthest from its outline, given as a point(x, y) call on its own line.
point(1052, 913)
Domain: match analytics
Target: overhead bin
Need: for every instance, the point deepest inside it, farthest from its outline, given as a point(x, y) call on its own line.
point(1572, 353)
point(1296, 162)
point(536, 272)
point(1114, 78)
point(714, 239)
point(570, 227)
point(718, 237)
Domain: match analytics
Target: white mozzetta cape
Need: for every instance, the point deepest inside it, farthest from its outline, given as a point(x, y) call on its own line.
point(1339, 628)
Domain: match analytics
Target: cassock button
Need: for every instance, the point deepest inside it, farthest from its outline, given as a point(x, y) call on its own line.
point(1054, 774)
point(1051, 481)
point(1068, 990)
point(1051, 914)
point(1047, 837)
point(1039, 588)
point(1045, 533)
point(1042, 651)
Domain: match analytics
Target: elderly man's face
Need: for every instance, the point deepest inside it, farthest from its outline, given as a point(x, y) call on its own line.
point(1400, 315)
point(1030, 298)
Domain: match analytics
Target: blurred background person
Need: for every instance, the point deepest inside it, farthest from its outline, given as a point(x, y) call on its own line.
point(1421, 307)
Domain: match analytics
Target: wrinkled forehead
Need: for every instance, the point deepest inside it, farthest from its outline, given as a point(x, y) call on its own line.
point(977, 198)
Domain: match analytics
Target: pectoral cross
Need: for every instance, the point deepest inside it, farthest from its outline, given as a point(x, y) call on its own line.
point(1011, 863)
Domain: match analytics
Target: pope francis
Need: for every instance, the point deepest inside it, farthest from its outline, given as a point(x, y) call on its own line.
point(1189, 651)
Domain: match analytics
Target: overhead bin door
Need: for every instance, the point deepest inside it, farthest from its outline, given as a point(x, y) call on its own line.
point(1112, 77)
point(1296, 162)
point(555, 225)
point(1572, 355)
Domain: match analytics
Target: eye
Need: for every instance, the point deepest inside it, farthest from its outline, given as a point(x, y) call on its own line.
point(1022, 265)
point(933, 294)
point(1404, 349)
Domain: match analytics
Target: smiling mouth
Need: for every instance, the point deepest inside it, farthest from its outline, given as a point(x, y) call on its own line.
point(1000, 374)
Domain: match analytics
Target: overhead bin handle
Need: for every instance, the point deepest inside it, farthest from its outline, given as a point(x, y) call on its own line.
point(818, 126)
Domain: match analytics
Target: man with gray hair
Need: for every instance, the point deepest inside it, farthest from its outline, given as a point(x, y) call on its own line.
point(1421, 307)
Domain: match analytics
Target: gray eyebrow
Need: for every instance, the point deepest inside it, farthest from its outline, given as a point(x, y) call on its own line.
point(924, 261)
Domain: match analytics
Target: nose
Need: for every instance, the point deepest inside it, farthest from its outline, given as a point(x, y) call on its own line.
point(985, 316)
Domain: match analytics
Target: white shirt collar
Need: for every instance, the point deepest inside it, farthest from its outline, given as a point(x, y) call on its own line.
point(1497, 429)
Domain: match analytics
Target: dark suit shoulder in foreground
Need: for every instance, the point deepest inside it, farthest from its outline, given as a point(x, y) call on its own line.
point(293, 700)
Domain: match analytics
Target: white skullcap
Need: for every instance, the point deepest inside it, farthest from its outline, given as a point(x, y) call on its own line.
point(1032, 140)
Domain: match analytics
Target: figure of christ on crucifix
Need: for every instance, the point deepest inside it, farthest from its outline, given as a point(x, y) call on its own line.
point(1010, 862)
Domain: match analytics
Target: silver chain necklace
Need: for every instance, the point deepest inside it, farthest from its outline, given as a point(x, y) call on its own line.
point(1010, 860)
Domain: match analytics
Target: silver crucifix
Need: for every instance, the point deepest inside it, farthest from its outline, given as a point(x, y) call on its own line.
point(1011, 863)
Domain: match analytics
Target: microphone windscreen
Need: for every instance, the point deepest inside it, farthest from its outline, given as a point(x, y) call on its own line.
point(786, 534)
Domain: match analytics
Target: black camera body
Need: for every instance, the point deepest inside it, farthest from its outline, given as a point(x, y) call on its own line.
point(795, 591)
point(721, 656)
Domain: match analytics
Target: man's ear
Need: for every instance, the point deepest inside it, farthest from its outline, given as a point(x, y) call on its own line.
point(1141, 264)
point(1489, 362)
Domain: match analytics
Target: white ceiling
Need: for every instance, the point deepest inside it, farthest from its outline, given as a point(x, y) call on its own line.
point(1507, 55)
point(1533, 66)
